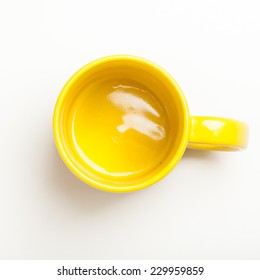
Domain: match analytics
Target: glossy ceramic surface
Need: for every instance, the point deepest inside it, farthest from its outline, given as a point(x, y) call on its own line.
point(121, 123)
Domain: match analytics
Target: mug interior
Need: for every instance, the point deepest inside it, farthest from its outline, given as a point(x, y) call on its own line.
point(121, 123)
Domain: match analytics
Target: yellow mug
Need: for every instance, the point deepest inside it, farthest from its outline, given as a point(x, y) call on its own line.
point(121, 123)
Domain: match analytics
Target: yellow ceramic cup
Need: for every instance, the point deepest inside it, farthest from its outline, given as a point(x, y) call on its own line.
point(121, 123)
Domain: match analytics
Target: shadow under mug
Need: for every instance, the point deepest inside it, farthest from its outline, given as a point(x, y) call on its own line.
point(121, 123)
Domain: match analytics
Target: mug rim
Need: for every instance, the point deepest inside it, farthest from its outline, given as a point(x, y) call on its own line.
point(155, 177)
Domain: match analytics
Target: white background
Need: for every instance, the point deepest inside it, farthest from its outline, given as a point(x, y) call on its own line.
point(206, 208)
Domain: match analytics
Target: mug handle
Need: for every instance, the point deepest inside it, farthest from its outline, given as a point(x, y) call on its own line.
point(218, 134)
